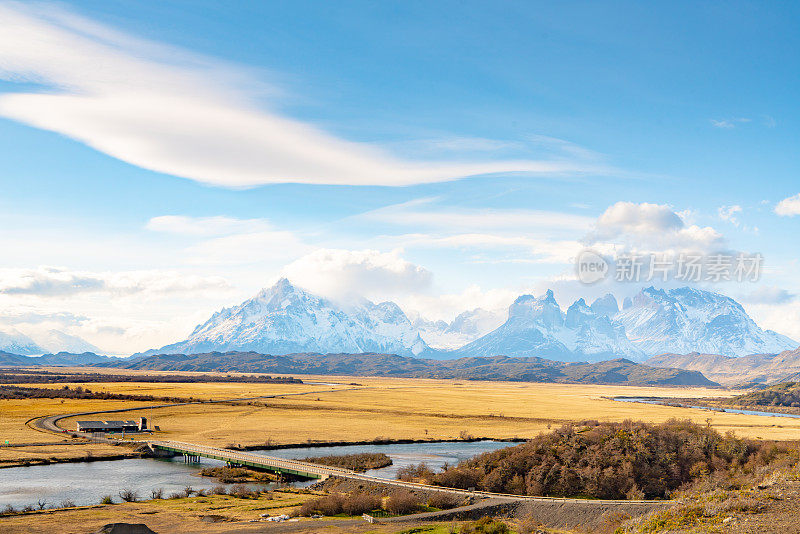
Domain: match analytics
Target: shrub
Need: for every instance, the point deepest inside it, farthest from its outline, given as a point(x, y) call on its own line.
point(187, 492)
point(607, 461)
point(219, 490)
point(106, 499)
point(157, 493)
point(444, 501)
point(412, 473)
point(128, 495)
point(485, 525)
point(241, 491)
point(355, 462)
point(360, 503)
point(8, 510)
point(67, 503)
point(402, 502)
point(327, 505)
point(27, 508)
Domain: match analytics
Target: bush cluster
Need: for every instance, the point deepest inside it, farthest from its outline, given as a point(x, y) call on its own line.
point(335, 504)
point(355, 462)
point(607, 461)
point(786, 394)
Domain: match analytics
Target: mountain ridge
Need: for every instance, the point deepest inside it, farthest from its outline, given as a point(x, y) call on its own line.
point(285, 319)
point(504, 368)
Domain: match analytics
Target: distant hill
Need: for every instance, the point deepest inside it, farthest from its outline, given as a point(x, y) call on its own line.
point(63, 359)
point(528, 369)
point(730, 371)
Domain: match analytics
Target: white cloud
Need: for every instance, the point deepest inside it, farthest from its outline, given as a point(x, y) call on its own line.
point(58, 282)
point(340, 274)
point(425, 213)
point(789, 207)
point(230, 241)
point(536, 250)
point(166, 110)
point(650, 227)
point(728, 123)
point(205, 226)
point(728, 213)
point(768, 295)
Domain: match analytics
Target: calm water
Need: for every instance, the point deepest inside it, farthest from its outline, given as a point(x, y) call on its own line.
point(87, 482)
point(728, 410)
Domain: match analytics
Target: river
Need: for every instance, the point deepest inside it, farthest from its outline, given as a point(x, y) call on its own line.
point(87, 482)
point(665, 402)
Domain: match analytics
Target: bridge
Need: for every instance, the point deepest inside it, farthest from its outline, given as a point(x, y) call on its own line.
point(248, 459)
point(314, 471)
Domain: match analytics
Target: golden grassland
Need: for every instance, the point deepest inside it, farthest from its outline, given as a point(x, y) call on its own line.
point(363, 409)
point(183, 516)
point(195, 390)
point(422, 409)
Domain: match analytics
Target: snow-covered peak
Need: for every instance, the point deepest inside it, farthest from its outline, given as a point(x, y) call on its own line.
point(16, 342)
point(285, 318)
point(544, 310)
point(688, 319)
point(606, 305)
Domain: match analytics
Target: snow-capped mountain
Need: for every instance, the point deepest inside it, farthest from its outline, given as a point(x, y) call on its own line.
point(285, 319)
point(466, 327)
point(653, 322)
point(57, 341)
point(16, 342)
point(688, 320)
point(538, 327)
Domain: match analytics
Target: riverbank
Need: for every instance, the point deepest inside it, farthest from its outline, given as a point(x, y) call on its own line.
point(48, 454)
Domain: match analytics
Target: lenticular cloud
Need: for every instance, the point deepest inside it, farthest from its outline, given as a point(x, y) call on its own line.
point(169, 111)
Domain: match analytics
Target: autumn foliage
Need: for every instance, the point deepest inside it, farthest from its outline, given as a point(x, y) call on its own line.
point(606, 460)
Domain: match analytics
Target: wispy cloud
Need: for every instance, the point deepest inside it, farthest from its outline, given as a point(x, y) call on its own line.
point(728, 213)
point(59, 282)
point(728, 123)
point(170, 111)
point(428, 213)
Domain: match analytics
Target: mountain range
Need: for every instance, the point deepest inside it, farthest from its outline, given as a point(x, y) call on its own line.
point(285, 319)
point(528, 369)
point(62, 359)
point(732, 371)
point(14, 341)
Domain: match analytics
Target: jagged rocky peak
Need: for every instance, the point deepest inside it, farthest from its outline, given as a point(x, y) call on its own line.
point(544, 309)
point(579, 313)
point(606, 305)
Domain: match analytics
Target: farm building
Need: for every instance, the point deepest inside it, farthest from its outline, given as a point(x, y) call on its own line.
point(113, 426)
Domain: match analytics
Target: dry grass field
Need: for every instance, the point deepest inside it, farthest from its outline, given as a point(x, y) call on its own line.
point(417, 409)
point(327, 409)
point(218, 513)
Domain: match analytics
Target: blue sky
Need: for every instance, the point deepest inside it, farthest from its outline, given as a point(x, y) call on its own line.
point(162, 159)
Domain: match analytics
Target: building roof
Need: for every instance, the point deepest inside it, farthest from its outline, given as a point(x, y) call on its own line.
point(108, 424)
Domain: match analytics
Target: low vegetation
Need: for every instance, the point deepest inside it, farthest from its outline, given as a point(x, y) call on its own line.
point(236, 475)
point(355, 462)
point(631, 460)
point(77, 392)
point(786, 394)
point(399, 502)
point(25, 376)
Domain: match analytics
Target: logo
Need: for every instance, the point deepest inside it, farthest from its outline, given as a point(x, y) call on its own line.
point(590, 267)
